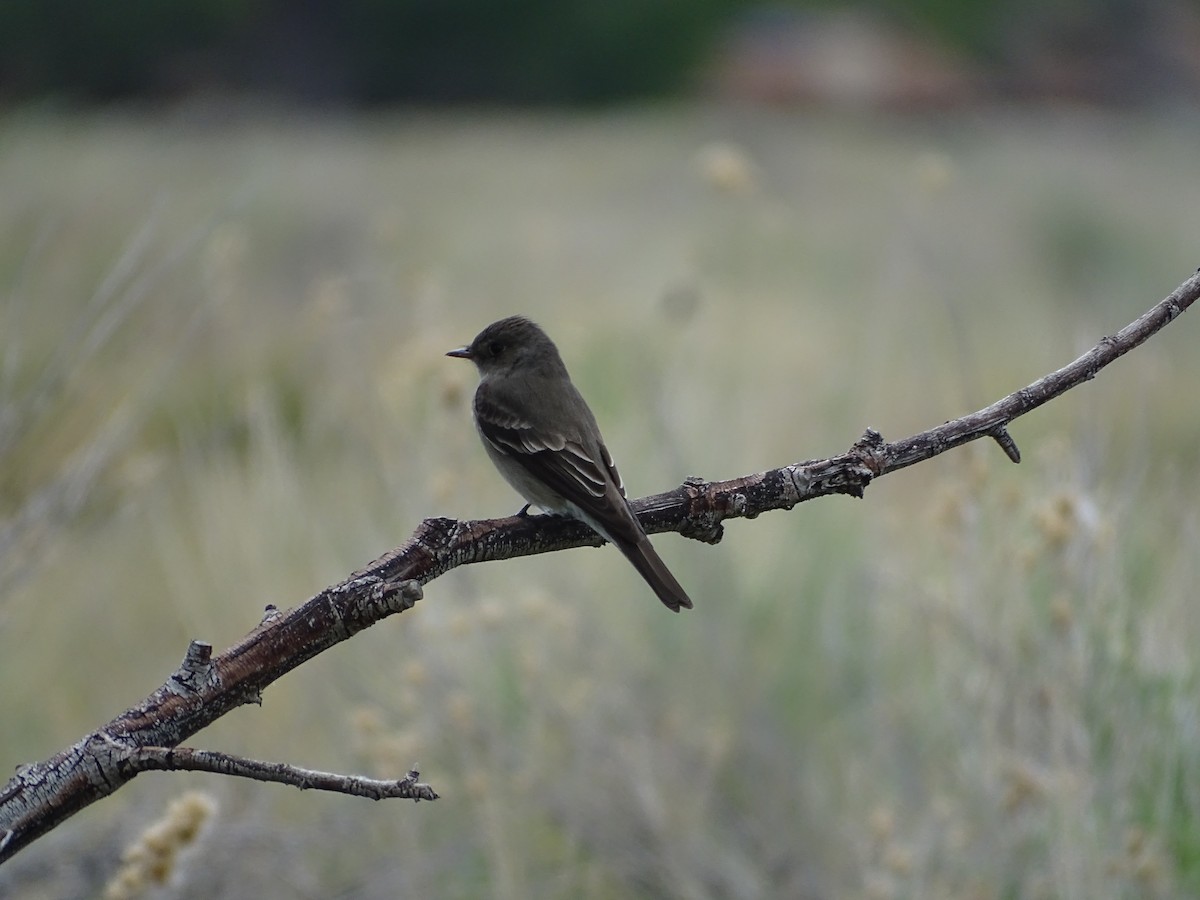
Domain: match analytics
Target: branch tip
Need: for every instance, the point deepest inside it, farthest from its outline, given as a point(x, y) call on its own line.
point(195, 669)
point(870, 440)
point(198, 654)
point(417, 790)
point(411, 591)
point(397, 596)
point(1001, 436)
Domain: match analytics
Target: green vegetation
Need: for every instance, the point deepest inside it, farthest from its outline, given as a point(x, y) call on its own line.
point(515, 51)
point(223, 386)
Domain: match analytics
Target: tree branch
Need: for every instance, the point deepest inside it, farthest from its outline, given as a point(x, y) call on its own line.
point(205, 687)
point(187, 759)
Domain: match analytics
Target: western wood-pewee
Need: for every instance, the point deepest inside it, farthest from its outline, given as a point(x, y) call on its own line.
point(540, 433)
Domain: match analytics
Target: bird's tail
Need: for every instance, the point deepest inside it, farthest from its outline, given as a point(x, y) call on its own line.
point(651, 567)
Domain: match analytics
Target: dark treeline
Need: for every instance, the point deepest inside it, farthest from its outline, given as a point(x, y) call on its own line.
point(521, 51)
point(551, 51)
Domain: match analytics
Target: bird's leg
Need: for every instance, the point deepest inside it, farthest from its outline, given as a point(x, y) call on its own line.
point(523, 513)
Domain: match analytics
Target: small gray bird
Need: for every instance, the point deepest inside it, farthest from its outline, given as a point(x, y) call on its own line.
point(543, 438)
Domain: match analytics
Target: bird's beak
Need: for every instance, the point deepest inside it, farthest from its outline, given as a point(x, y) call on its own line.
point(460, 353)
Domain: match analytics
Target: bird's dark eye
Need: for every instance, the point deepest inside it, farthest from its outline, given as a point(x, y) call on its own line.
point(495, 348)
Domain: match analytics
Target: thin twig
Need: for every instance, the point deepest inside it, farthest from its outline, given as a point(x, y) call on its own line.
point(187, 759)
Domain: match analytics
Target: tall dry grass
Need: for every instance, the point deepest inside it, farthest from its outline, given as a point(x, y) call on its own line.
point(223, 386)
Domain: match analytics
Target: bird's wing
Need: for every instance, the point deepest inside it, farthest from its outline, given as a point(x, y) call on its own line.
point(561, 462)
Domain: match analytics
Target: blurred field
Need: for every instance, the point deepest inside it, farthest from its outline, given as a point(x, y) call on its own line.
point(223, 386)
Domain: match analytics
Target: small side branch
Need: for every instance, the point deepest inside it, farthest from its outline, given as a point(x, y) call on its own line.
point(172, 759)
point(1007, 444)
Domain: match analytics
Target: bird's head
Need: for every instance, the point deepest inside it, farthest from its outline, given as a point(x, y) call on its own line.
point(510, 343)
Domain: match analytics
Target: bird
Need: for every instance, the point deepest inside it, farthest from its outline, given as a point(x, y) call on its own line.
point(543, 438)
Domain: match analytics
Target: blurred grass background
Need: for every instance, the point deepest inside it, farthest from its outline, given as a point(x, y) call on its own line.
point(223, 386)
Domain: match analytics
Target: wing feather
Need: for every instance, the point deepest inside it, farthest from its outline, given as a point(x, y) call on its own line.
point(564, 464)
